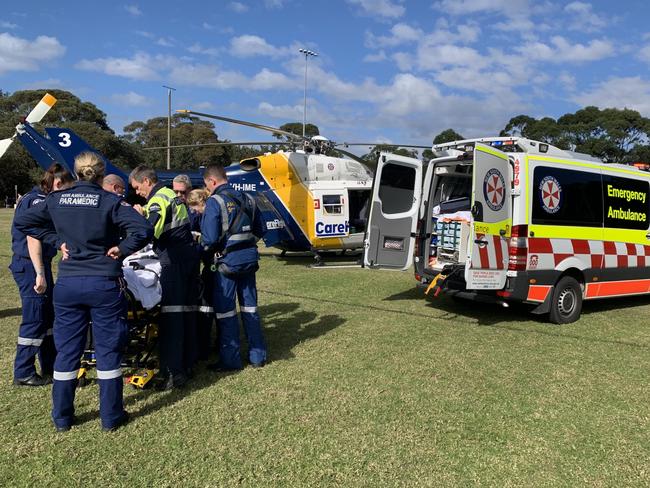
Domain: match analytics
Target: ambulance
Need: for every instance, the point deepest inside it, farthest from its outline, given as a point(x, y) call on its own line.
point(509, 219)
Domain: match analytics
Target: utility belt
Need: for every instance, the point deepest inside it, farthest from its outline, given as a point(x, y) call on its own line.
point(232, 271)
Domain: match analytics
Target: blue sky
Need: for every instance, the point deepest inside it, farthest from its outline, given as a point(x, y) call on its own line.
point(387, 70)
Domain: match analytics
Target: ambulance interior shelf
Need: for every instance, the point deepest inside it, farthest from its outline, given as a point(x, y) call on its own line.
point(450, 228)
point(451, 218)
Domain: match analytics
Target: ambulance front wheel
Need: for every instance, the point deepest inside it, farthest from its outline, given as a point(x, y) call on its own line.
point(567, 301)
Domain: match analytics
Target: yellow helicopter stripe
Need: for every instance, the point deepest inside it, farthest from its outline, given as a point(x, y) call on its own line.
point(282, 177)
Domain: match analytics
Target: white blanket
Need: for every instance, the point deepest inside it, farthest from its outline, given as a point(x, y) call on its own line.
point(143, 283)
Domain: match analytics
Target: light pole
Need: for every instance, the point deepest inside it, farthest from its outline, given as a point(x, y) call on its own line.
point(307, 53)
point(169, 123)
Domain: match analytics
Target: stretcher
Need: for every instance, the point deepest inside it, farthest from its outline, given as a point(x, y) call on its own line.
point(142, 277)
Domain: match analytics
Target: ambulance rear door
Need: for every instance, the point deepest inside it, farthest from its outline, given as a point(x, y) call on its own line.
point(487, 262)
point(395, 204)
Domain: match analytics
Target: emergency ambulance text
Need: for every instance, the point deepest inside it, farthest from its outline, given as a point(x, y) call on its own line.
point(627, 195)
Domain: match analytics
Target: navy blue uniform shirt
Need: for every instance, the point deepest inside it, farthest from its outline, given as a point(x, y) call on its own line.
point(18, 239)
point(211, 228)
point(89, 221)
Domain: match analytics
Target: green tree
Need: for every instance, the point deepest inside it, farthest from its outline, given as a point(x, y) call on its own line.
point(447, 135)
point(84, 118)
point(371, 157)
point(185, 130)
point(427, 155)
point(311, 130)
point(614, 135)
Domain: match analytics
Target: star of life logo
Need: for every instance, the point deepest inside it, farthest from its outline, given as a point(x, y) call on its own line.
point(494, 189)
point(550, 192)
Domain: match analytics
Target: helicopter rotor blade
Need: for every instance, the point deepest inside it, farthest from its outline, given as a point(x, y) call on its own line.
point(41, 109)
point(380, 144)
point(4, 145)
point(275, 130)
point(264, 143)
point(34, 116)
point(351, 156)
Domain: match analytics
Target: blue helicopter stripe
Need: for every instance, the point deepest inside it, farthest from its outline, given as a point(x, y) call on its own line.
point(254, 182)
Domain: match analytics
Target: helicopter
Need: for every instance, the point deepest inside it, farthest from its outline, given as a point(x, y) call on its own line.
point(323, 198)
point(310, 200)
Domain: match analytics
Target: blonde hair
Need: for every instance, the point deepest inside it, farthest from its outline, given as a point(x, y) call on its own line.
point(197, 197)
point(89, 166)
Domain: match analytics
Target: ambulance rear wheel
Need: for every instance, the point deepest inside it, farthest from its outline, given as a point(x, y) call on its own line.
point(567, 301)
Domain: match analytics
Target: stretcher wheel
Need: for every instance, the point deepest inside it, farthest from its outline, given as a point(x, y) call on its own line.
point(566, 303)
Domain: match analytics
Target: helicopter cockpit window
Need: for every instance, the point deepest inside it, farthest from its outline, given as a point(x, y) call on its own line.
point(332, 204)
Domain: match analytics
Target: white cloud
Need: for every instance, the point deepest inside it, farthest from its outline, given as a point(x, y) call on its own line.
point(203, 105)
point(274, 4)
point(404, 61)
point(165, 42)
point(207, 26)
point(133, 10)
point(584, 19)
point(439, 56)
point(466, 7)
point(568, 81)
point(270, 80)
point(400, 33)
point(208, 76)
point(18, 54)
point(238, 7)
point(148, 35)
point(197, 48)
point(644, 54)
point(131, 99)
point(286, 112)
point(8, 25)
point(211, 76)
point(630, 92)
point(560, 50)
point(379, 8)
point(141, 66)
point(247, 46)
point(375, 57)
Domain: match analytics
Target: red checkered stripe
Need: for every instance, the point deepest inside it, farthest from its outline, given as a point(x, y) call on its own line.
point(493, 255)
point(592, 254)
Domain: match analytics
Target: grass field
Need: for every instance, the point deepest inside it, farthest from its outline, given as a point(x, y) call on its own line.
point(368, 384)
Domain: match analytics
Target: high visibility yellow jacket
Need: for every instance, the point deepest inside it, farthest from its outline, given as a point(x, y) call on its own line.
point(169, 217)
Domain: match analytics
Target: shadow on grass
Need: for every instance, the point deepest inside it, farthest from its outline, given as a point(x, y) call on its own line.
point(468, 312)
point(308, 259)
point(203, 378)
point(494, 315)
point(343, 303)
point(10, 312)
point(286, 325)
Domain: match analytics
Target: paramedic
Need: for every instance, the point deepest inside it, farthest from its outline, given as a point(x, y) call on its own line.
point(196, 201)
point(229, 227)
point(182, 186)
point(178, 279)
point(31, 267)
point(114, 184)
point(85, 222)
